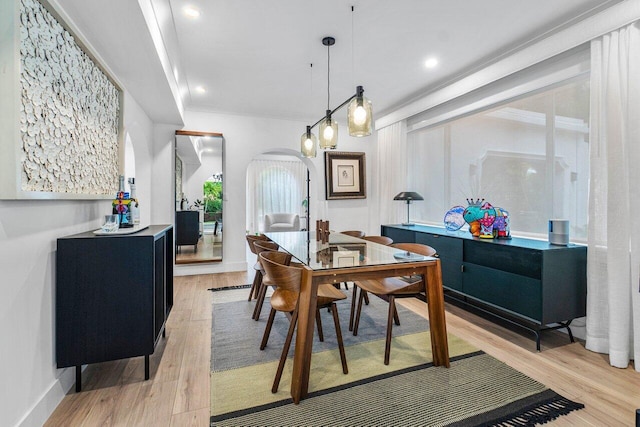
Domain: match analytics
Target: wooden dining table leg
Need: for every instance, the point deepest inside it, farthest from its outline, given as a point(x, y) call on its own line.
point(437, 323)
point(307, 304)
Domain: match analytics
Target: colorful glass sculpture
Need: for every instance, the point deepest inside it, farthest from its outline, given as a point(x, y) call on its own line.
point(486, 221)
point(454, 219)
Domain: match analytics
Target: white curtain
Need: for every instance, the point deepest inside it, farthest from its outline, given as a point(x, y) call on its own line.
point(274, 186)
point(613, 264)
point(392, 171)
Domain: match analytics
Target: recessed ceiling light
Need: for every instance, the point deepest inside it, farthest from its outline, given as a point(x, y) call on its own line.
point(191, 12)
point(200, 89)
point(431, 62)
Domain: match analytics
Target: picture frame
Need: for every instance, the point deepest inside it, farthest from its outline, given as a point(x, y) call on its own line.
point(63, 140)
point(345, 175)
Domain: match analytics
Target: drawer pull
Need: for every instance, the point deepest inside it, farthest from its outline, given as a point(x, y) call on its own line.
point(462, 269)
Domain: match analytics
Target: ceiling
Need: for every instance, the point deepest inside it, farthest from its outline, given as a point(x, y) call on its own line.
point(253, 57)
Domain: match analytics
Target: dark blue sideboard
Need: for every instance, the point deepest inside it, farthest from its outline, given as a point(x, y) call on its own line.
point(113, 296)
point(528, 282)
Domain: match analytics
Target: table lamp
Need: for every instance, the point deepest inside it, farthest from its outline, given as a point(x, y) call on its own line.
point(408, 196)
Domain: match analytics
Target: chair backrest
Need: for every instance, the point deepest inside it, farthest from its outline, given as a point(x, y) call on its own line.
point(383, 240)
point(354, 233)
point(285, 277)
point(416, 248)
point(251, 239)
point(261, 246)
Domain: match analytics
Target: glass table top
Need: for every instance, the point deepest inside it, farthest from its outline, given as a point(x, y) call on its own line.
point(341, 251)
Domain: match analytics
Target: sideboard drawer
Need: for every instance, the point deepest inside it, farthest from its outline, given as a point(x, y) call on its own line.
point(516, 260)
point(519, 294)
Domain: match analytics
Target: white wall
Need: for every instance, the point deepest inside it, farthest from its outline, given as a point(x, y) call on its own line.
point(33, 386)
point(248, 137)
point(162, 175)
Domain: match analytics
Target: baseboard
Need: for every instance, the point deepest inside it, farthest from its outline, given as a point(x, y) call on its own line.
point(193, 269)
point(50, 399)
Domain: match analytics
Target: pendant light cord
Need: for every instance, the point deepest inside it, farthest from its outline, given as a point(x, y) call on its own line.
point(328, 75)
point(353, 68)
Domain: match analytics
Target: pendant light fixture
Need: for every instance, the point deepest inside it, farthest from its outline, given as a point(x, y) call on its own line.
point(328, 127)
point(359, 116)
point(308, 143)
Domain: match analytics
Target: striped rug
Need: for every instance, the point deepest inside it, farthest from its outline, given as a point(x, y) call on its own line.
point(477, 389)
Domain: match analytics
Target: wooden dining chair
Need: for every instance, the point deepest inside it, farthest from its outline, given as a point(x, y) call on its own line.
point(382, 240)
point(253, 292)
point(263, 284)
point(287, 281)
point(391, 288)
point(354, 233)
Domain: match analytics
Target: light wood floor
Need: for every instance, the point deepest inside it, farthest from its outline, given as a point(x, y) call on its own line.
point(208, 249)
point(177, 394)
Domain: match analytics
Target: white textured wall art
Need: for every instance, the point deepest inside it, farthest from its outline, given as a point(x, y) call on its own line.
point(69, 111)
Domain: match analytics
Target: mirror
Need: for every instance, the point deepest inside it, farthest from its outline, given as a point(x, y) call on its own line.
point(199, 189)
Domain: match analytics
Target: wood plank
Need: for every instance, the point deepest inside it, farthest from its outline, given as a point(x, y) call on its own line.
point(151, 408)
point(610, 394)
point(199, 418)
point(193, 384)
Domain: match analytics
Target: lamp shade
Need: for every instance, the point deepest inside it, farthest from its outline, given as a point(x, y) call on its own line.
point(408, 195)
point(308, 143)
point(328, 134)
point(359, 115)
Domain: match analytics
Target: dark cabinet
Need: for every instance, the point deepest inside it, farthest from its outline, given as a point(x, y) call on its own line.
point(187, 228)
point(450, 254)
point(113, 295)
point(529, 282)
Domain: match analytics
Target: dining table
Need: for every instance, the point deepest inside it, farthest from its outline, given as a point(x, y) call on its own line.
point(342, 258)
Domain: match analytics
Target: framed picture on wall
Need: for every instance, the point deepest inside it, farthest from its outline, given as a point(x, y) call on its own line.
point(344, 175)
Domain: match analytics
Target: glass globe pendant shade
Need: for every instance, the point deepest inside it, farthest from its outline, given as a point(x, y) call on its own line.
point(360, 115)
point(308, 143)
point(328, 134)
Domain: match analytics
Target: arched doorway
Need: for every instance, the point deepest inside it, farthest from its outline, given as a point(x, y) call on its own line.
point(278, 181)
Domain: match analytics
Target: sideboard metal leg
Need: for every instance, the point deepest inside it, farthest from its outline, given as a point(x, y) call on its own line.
point(146, 366)
point(78, 378)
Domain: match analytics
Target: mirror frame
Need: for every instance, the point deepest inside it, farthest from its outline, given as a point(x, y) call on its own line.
point(175, 193)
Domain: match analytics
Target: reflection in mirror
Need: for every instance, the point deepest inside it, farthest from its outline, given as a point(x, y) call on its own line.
point(199, 190)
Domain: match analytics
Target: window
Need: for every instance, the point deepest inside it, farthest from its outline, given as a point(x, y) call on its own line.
point(529, 156)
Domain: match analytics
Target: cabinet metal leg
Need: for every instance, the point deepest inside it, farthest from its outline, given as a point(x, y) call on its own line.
point(146, 366)
point(78, 378)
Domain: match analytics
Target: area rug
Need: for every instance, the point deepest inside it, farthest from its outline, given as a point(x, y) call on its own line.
point(233, 327)
point(476, 390)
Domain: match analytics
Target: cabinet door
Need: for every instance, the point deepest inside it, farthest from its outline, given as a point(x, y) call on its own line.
point(450, 253)
point(399, 235)
point(159, 287)
point(519, 294)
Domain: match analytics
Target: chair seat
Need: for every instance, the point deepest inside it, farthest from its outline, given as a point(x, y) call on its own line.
point(284, 300)
point(329, 292)
point(391, 286)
